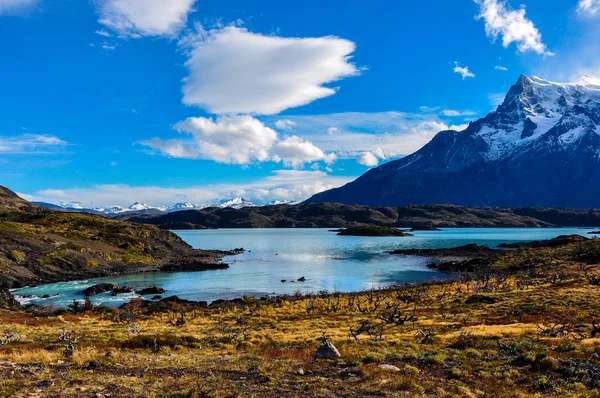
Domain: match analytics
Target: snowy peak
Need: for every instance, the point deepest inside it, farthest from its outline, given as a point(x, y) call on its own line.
point(533, 107)
point(235, 203)
point(71, 205)
point(183, 206)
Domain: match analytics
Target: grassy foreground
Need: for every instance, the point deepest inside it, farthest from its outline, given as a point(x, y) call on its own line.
point(535, 332)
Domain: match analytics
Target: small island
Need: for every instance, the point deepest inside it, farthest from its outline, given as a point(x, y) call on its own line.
point(372, 230)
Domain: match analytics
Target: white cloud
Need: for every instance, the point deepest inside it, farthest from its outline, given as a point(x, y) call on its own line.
point(291, 185)
point(232, 70)
point(104, 33)
point(393, 133)
point(108, 47)
point(239, 139)
point(500, 67)
point(136, 18)
point(30, 144)
point(285, 124)
point(16, 6)
point(464, 72)
point(588, 7)
point(501, 20)
point(453, 113)
point(228, 139)
point(371, 158)
point(296, 151)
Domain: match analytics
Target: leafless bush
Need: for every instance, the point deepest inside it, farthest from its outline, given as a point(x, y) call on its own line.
point(133, 329)
point(374, 330)
point(68, 340)
point(425, 336)
point(10, 336)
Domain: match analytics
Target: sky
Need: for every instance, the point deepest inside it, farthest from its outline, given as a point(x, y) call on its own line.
point(107, 102)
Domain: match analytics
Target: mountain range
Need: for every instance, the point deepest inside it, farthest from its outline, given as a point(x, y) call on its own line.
point(539, 148)
point(143, 208)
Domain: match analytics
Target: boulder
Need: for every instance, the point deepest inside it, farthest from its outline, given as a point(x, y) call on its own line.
point(100, 288)
point(123, 289)
point(327, 351)
point(390, 368)
point(151, 290)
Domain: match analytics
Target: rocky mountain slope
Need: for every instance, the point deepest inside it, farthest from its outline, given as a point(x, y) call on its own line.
point(38, 245)
point(331, 215)
point(540, 148)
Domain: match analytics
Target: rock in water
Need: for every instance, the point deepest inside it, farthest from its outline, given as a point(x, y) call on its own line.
point(151, 290)
point(99, 288)
point(327, 351)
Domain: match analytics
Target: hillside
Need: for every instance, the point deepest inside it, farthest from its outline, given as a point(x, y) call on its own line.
point(539, 148)
point(331, 215)
point(39, 245)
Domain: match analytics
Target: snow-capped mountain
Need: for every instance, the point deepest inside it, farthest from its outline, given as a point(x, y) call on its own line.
point(71, 205)
point(110, 210)
point(540, 147)
point(279, 202)
point(235, 203)
point(183, 206)
point(138, 207)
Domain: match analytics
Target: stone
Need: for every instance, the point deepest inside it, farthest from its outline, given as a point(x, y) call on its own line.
point(100, 288)
point(151, 290)
point(327, 351)
point(45, 383)
point(390, 368)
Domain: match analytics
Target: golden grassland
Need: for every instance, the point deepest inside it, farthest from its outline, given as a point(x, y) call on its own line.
point(531, 333)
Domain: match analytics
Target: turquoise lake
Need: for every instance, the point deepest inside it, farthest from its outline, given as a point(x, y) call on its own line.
point(327, 261)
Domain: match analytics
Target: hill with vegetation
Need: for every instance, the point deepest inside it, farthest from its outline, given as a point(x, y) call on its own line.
point(38, 245)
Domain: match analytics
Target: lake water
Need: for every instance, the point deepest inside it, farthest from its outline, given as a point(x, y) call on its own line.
point(327, 261)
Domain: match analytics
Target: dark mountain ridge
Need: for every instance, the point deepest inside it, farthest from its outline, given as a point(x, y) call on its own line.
point(332, 215)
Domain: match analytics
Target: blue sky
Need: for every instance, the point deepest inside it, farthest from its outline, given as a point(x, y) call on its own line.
point(112, 101)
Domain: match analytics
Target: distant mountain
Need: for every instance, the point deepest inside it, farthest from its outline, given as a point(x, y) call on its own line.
point(235, 203)
point(182, 206)
point(71, 206)
point(280, 202)
point(143, 208)
point(333, 215)
point(47, 205)
point(540, 148)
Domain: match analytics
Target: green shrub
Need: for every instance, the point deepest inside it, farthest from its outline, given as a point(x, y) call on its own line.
point(16, 256)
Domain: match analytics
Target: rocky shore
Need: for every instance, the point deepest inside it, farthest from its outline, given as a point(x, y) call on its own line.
point(473, 257)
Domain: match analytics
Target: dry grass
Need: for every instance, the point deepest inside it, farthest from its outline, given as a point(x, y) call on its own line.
point(530, 335)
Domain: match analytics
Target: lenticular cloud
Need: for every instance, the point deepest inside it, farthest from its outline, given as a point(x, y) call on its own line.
point(232, 70)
